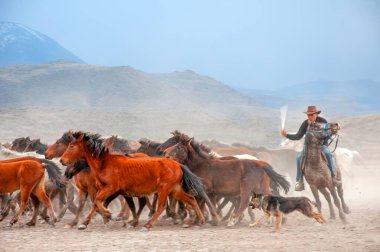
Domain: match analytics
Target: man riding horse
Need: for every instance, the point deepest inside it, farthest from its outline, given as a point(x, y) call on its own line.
point(312, 115)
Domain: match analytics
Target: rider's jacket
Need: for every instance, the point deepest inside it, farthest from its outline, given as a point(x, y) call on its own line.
point(302, 131)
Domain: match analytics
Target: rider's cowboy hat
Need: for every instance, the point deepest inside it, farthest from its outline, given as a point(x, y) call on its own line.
point(312, 110)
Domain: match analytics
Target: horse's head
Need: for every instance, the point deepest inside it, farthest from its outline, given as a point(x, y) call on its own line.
point(75, 150)
point(148, 147)
point(37, 146)
point(117, 145)
point(75, 168)
point(179, 152)
point(59, 147)
point(19, 144)
point(176, 138)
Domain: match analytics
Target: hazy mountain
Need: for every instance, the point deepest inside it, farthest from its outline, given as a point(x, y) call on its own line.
point(151, 103)
point(339, 98)
point(22, 45)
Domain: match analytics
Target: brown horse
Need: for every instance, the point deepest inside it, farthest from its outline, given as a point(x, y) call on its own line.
point(85, 178)
point(29, 177)
point(134, 176)
point(318, 175)
point(37, 146)
point(233, 178)
point(19, 144)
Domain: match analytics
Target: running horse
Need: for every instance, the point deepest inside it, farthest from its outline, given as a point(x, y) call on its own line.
point(28, 175)
point(317, 172)
point(85, 179)
point(139, 177)
point(232, 178)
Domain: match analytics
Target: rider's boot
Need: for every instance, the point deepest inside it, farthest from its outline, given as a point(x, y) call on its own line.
point(300, 186)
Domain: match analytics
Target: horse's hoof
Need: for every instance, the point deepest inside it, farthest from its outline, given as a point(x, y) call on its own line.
point(30, 223)
point(68, 226)
point(82, 227)
point(114, 217)
point(42, 221)
point(9, 225)
point(144, 229)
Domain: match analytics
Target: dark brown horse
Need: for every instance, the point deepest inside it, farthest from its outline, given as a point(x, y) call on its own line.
point(318, 175)
point(85, 179)
point(19, 144)
point(149, 147)
point(37, 146)
point(134, 176)
point(29, 177)
point(233, 178)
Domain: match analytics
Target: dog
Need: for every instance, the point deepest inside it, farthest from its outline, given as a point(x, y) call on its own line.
point(278, 206)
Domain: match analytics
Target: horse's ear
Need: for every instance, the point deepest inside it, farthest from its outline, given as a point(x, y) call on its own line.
point(80, 138)
point(188, 141)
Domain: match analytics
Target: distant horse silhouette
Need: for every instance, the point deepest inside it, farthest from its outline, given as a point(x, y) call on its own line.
point(28, 175)
point(37, 146)
point(233, 178)
point(85, 179)
point(149, 147)
point(317, 172)
point(19, 144)
point(134, 176)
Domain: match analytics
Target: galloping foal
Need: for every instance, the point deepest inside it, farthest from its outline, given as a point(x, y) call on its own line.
point(134, 176)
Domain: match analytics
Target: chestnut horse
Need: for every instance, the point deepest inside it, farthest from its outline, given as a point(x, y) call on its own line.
point(233, 178)
point(28, 175)
point(85, 179)
point(135, 176)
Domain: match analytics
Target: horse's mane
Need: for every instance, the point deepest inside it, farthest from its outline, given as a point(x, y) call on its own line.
point(120, 145)
point(94, 142)
point(146, 141)
point(67, 137)
point(199, 148)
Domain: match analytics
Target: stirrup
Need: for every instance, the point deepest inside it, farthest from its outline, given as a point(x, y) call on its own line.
point(300, 186)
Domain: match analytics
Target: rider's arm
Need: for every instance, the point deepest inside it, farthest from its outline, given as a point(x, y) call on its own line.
point(301, 132)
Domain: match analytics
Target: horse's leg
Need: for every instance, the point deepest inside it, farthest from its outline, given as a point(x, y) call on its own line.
point(71, 191)
point(180, 195)
point(154, 205)
point(7, 204)
point(342, 216)
point(346, 210)
point(82, 202)
point(36, 206)
point(243, 203)
point(40, 193)
point(25, 192)
point(148, 204)
point(124, 211)
point(328, 198)
point(222, 205)
point(234, 203)
point(314, 190)
point(251, 214)
point(63, 202)
point(161, 201)
point(132, 207)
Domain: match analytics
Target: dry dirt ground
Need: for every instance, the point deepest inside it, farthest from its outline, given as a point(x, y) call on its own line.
point(361, 233)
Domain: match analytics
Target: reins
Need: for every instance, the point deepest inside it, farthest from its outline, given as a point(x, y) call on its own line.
point(336, 136)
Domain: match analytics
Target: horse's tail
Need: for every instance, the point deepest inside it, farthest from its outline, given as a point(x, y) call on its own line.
point(54, 173)
point(277, 180)
point(193, 184)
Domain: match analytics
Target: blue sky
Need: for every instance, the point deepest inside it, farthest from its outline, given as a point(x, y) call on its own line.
point(250, 44)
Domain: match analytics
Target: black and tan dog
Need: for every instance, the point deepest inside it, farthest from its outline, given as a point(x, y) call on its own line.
point(277, 206)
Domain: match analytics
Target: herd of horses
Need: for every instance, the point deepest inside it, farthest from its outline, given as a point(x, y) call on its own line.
point(182, 176)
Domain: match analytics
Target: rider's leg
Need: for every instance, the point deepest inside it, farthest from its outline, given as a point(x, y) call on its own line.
point(299, 178)
point(330, 160)
point(298, 160)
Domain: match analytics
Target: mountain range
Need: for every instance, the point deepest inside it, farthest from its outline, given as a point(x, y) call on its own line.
point(20, 44)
